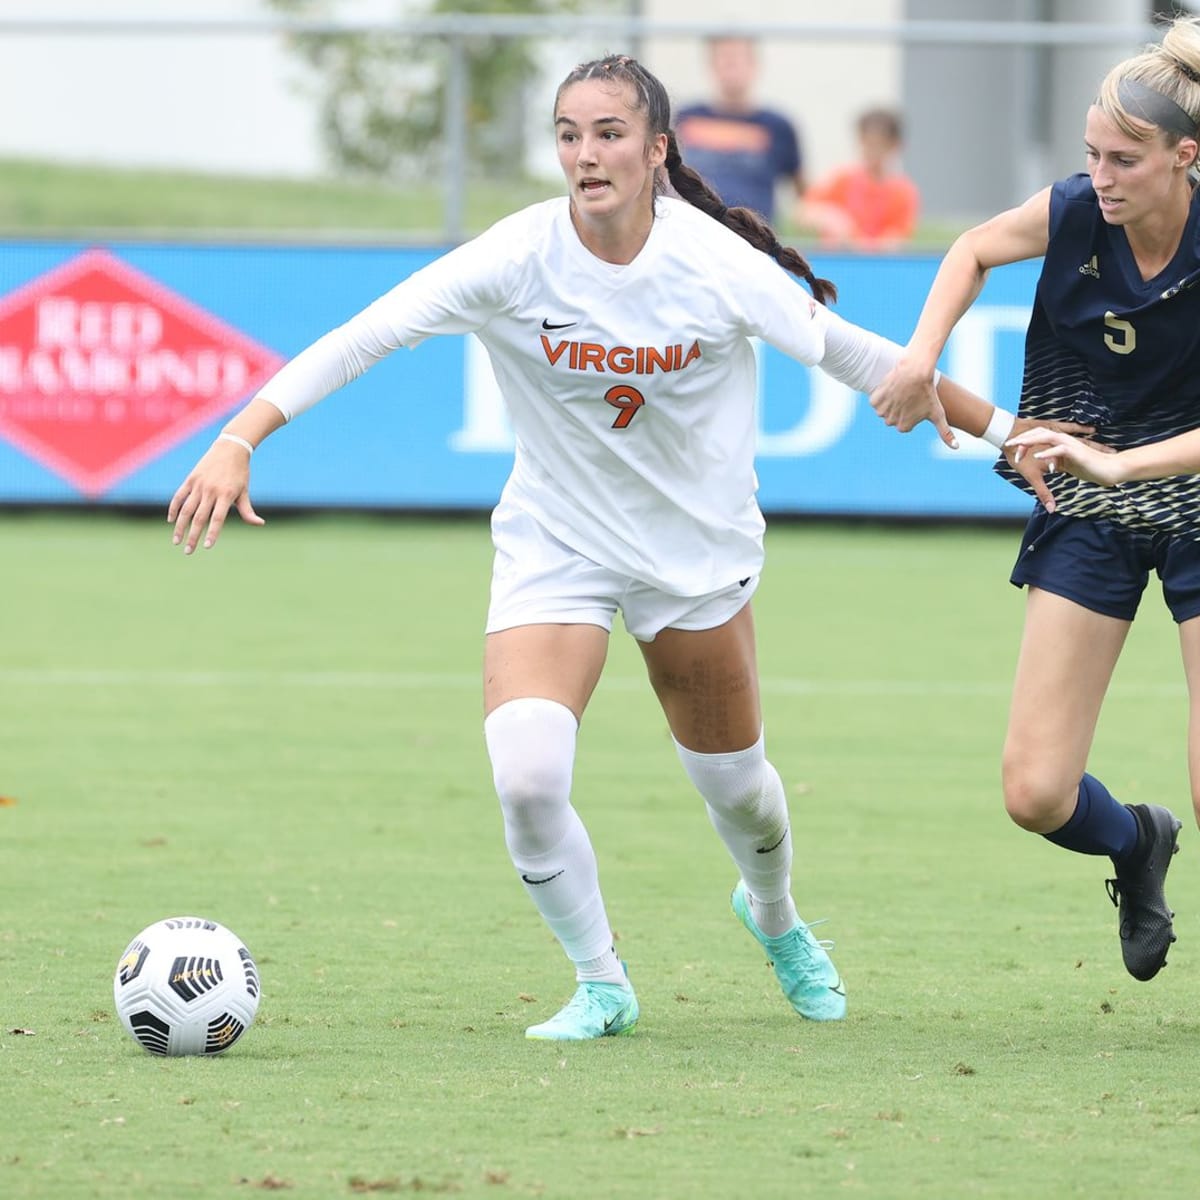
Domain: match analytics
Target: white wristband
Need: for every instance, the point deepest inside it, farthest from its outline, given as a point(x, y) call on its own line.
point(999, 428)
point(240, 441)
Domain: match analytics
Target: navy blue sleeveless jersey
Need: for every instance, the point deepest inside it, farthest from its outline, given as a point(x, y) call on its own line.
point(1109, 349)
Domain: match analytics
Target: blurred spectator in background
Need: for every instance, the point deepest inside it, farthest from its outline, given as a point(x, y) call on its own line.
point(870, 204)
point(742, 150)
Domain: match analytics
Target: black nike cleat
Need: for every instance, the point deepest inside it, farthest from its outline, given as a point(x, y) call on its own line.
point(1144, 918)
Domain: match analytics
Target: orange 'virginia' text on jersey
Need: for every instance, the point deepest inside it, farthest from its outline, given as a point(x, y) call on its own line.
point(621, 360)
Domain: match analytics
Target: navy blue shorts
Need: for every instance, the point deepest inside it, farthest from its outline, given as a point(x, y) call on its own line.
point(1105, 567)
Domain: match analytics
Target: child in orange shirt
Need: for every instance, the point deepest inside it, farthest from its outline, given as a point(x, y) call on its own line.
point(871, 204)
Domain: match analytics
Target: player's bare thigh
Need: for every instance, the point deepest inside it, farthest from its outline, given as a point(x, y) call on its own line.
point(1065, 664)
point(707, 683)
point(552, 662)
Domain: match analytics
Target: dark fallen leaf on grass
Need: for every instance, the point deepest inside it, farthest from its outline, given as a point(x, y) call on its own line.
point(962, 1068)
point(269, 1183)
point(23, 1032)
point(526, 998)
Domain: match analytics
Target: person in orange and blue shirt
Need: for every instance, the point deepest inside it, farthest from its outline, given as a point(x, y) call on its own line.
point(743, 151)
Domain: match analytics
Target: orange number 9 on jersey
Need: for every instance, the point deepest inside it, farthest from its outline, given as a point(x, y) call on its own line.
point(628, 400)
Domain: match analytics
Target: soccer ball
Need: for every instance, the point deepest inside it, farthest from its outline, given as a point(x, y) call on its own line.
point(186, 986)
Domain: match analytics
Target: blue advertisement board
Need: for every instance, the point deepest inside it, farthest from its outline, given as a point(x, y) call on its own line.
point(118, 365)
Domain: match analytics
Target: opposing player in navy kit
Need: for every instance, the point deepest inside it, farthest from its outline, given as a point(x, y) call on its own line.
point(619, 325)
point(1114, 341)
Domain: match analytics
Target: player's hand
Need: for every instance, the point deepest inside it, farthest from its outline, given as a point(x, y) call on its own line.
point(1041, 450)
point(906, 397)
point(1032, 469)
point(218, 482)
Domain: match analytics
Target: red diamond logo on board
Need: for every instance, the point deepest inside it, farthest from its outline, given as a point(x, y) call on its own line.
point(103, 368)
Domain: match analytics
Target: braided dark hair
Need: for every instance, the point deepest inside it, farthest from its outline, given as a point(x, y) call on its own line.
point(650, 97)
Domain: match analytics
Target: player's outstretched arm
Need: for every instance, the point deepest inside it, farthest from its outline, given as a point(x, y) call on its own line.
point(221, 479)
point(1179, 455)
point(907, 395)
point(861, 360)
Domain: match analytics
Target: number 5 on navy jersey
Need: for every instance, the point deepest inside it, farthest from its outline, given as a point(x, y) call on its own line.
point(1123, 339)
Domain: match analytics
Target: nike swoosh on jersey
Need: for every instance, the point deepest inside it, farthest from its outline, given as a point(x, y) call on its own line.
point(563, 325)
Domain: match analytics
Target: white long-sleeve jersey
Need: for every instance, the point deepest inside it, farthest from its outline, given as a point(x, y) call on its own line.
point(631, 389)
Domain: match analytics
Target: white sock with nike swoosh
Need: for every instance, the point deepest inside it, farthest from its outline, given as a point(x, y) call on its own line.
point(747, 807)
point(531, 743)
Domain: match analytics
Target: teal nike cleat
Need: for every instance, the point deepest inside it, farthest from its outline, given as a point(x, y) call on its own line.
point(804, 969)
point(596, 1010)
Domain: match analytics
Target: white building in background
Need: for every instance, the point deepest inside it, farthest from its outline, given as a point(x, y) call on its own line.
point(985, 124)
point(989, 124)
point(206, 102)
point(242, 103)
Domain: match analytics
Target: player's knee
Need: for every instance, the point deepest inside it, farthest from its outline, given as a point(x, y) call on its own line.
point(531, 744)
point(531, 786)
point(535, 801)
point(1032, 797)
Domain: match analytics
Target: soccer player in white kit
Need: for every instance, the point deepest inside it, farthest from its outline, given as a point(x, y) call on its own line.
point(618, 321)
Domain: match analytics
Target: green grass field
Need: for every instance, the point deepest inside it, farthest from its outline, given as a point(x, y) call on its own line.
point(284, 734)
point(60, 199)
point(46, 198)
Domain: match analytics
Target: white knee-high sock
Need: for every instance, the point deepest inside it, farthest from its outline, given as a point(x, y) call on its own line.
point(747, 807)
point(531, 743)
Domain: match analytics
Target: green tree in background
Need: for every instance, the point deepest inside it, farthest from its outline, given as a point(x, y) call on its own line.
point(383, 95)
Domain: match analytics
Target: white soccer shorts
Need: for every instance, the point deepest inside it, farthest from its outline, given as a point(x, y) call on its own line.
point(536, 580)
